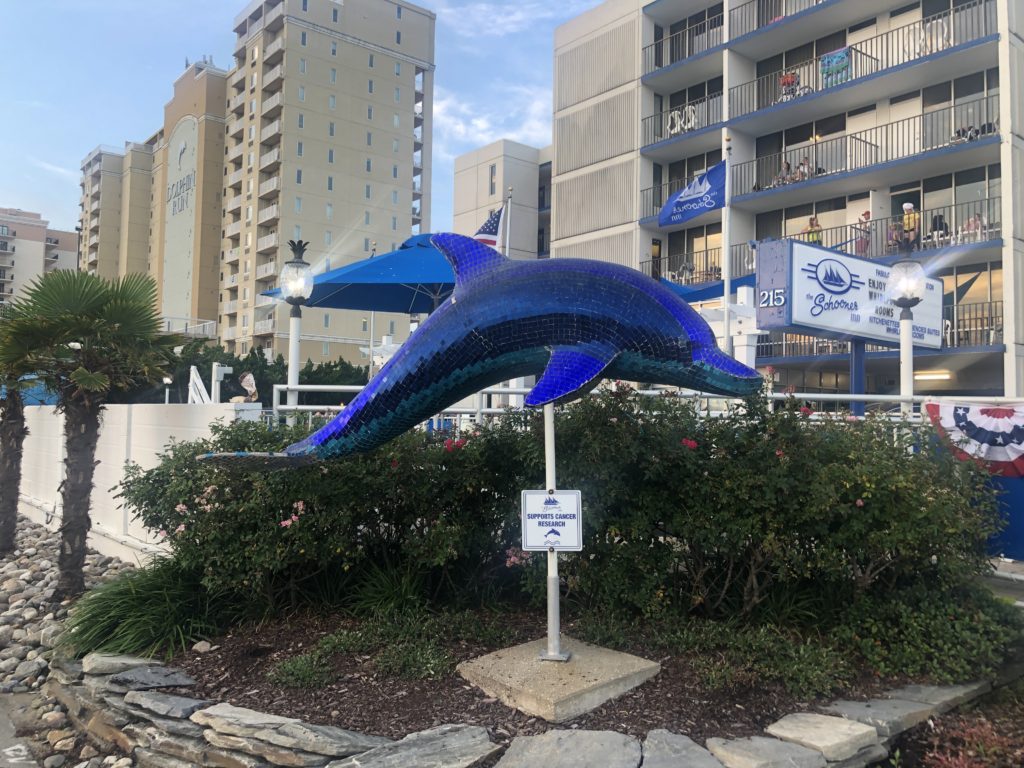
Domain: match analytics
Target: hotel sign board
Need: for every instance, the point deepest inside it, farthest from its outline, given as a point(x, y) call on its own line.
point(803, 288)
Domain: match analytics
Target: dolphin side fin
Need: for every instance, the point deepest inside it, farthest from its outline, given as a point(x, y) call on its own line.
point(469, 258)
point(570, 370)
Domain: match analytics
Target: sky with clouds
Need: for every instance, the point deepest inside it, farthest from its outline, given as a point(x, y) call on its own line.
point(80, 73)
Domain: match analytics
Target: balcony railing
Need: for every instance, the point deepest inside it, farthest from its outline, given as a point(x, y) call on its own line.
point(271, 131)
point(273, 51)
point(230, 307)
point(687, 268)
point(231, 255)
point(267, 243)
point(233, 204)
point(235, 177)
point(977, 221)
point(268, 213)
point(270, 160)
point(963, 24)
point(274, 77)
point(264, 301)
point(270, 186)
point(272, 105)
point(963, 325)
point(684, 44)
point(263, 326)
point(264, 271)
point(233, 229)
point(760, 13)
point(236, 104)
point(948, 126)
point(682, 119)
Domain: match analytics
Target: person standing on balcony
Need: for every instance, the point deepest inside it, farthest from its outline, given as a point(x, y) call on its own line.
point(911, 228)
point(812, 232)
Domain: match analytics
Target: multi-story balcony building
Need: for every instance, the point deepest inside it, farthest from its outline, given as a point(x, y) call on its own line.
point(29, 249)
point(842, 111)
point(328, 140)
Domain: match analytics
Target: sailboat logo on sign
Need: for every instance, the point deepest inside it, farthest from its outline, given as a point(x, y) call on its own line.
point(833, 276)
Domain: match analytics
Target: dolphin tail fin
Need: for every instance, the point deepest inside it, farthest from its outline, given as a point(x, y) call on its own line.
point(246, 461)
point(723, 375)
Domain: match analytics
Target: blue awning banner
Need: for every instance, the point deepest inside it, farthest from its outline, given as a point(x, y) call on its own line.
point(705, 193)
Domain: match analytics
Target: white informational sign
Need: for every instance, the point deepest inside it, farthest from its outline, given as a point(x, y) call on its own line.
point(809, 289)
point(552, 521)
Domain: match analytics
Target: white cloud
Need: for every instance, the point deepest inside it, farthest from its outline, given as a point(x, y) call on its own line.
point(498, 19)
point(68, 174)
point(522, 113)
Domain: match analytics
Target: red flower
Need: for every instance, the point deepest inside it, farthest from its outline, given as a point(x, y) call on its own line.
point(780, 453)
point(394, 463)
point(805, 410)
point(688, 443)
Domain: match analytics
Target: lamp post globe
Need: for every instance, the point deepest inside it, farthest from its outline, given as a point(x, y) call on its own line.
point(907, 285)
point(297, 287)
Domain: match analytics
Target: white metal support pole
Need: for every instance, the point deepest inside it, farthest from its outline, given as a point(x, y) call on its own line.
point(294, 331)
point(369, 370)
point(727, 253)
point(554, 650)
point(906, 362)
point(508, 226)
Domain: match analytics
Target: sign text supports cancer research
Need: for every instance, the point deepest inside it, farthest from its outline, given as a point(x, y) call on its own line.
point(808, 289)
point(552, 521)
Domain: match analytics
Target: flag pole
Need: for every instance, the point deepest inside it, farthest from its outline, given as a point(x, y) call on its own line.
point(727, 255)
point(508, 223)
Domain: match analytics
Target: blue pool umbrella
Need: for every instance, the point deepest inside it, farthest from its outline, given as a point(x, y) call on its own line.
point(413, 279)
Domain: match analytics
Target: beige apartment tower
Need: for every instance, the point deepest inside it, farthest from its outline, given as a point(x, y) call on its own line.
point(328, 141)
point(482, 180)
point(155, 207)
point(30, 249)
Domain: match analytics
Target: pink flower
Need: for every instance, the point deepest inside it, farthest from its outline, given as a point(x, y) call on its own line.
point(688, 443)
point(180, 528)
point(286, 523)
point(295, 518)
point(780, 453)
point(162, 533)
point(299, 506)
point(805, 410)
point(859, 502)
point(181, 508)
point(449, 445)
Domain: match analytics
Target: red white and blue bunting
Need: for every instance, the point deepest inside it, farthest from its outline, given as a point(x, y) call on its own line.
point(989, 433)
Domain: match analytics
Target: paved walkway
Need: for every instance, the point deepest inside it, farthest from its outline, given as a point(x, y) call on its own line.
point(13, 751)
point(1008, 581)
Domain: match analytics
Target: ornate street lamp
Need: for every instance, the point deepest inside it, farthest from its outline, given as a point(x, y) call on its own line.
point(907, 284)
point(296, 287)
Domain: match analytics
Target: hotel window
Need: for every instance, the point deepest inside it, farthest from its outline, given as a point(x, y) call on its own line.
point(398, 94)
point(369, 112)
point(334, 75)
point(332, 101)
point(494, 179)
point(394, 145)
point(366, 245)
point(305, 5)
point(365, 326)
point(334, 15)
point(394, 223)
point(394, 196)
point(298, 204)
point(302, 120)
point(398, 11)
point(298, 175)
point(368, 165)
point(396, 121)
point(369, 139)
point(302, 66)
point(302, 38)
point(297, 232)
point(252, 132)
point(327, 320)
point(252, 82)
point(334, 48)
point(371, 61)
point(398, 37)
point(398, 69)
point(302, 93)
point(298, 149)
point(394, 171)
point(248, 214)
point(391, 327)
point(330, 156)
point(366, 218)
point(330, 129)
point(325, 349)
point(367, 191)
point(330, 183)
point(329, 211)
point(369, 86)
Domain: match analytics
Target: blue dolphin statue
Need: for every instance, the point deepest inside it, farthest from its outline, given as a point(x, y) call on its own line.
point(569, 321)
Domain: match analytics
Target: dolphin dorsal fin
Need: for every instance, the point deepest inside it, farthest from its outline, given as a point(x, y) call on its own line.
point(570, 371)
point(469, 258)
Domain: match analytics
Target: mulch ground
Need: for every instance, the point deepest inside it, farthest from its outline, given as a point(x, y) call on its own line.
point(363, 700)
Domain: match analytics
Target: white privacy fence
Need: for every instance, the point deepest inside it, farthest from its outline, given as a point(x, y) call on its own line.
point(137, 433)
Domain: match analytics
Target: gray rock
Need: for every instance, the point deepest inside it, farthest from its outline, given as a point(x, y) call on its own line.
point(29, 668)
point(446, 746)
point(5, 636)
point(110, 664)
point(238, 721)
point(321, 739)
point(9, 665)
point(887, 716)
point(573, 749)
point(203, 646)
point(761, 752)
point(837, 738)
point(663, 749)
point(867, 756)
point(942, 697)
point(142, 678)
point(148, 759)
point(48, 635)
point(269, 752)
point(164, 703)
point(54, 761)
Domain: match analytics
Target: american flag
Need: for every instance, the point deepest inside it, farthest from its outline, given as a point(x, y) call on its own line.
point(488, 233)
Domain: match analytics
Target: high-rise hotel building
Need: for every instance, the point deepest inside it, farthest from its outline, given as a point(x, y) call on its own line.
point(833, 109)
point(29, 249)
point(328, 141)
point(321, 131)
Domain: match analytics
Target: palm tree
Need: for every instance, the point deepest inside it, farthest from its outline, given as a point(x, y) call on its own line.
point(12, 440)
point(84, 337)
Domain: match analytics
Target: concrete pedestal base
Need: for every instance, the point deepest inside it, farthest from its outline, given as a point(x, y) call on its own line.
point(553, 690)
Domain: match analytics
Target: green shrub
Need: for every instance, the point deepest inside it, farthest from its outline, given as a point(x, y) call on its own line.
point(308, 670)
point(417, 658)
point(948, 634)
point(160, 608)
